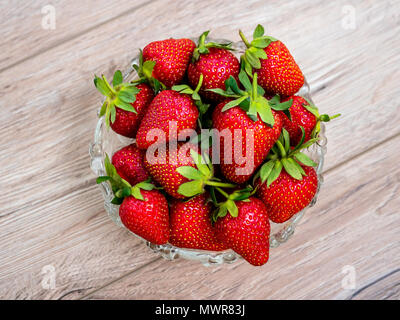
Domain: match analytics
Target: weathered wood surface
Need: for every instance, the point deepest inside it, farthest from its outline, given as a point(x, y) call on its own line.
point(51, 211)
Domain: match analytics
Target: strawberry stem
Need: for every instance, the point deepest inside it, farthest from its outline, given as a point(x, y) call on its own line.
point(281, 148)
point(326, 118)
point(255, 86)
point(199, 84)
point(220, 184)
point(223, 192)
point(248, 45)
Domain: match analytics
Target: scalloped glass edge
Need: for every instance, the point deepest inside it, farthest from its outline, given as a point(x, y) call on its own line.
point(280, 233)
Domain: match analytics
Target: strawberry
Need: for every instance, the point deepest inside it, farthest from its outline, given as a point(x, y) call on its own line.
point(302, 113)
point(146, 216)
point(125, 104)
point(251, 115)
point(129, 163)
point(172, 113)
point(216, 63)
point(172, 57)
point(287, 182)
point(181, 171)
point(143, 209)
point(277, 70)
point(190, 224)
point(242, 224)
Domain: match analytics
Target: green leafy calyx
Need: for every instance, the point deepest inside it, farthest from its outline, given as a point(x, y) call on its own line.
point(202, 47)
point(145, 73)
point(255, 49)
point(282, 156)
point(120, 187)
point(184, 88)
point(120, 94)
point(201, 176)
point(309, 106)
point(251, 99)
point(229, 205)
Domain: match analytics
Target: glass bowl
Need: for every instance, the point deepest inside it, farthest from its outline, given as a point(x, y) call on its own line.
point(107, 141)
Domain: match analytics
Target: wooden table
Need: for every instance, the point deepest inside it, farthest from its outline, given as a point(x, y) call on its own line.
point(52, 221)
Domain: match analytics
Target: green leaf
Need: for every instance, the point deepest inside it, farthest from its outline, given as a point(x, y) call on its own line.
point(190, 172)
point(148, 67)
point(276, 171)
point(260, 43)
point(102, 86)
point(264, 110)
point(266, 170)
point(145, 185)
point(118, 78)
point(286, 139)
point(191, 188)
point(259, 53)
point(103, 108)
point(233, 103)
point(311, 108)
point(198, 160)
point(180, 87)
point(291, 169)
point(303, 135)
point(245, 81)
point(102, 179)
point(232, 208)
point(222, 212)
point(113, 113)
point(253, 60)
point(124, 106)
point(117, 201)
point(258, 31)
point(247, 66)
point(126, 96)
point(136, 193)
point(304, 159)
point(232, 84)
point(283, 105)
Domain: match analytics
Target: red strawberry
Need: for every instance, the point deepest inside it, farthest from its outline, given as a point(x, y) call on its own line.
point(287, 182)
point(287, 196)
point(164, 171)
point(263, 135)
point(172, 57)
point(167, 107)
point(125, 104)
point(303, 114)
point(216, 63)
point(190, 224)
point(148, 218)
point(129, 163)
point(258, 119)
point(277, 70)
point(126, 122)
point(181, 172)
point(143, 210)
point(245, 229)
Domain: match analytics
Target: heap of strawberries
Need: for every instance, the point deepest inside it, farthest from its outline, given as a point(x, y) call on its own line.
point(187, 200)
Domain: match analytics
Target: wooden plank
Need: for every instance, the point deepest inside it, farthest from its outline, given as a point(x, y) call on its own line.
point(354, 225)
point(24, 36)
point(384, 288)
point(56, 217)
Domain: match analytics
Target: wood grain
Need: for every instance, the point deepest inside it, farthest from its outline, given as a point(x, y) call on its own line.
point(355, 223)
point(51, 212)
point(23, 35)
